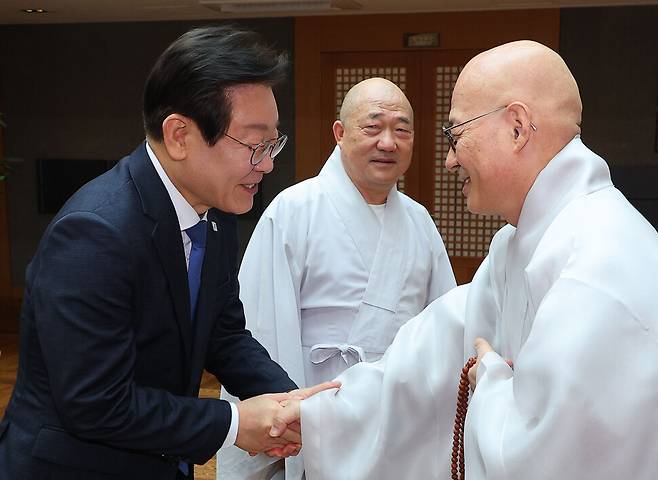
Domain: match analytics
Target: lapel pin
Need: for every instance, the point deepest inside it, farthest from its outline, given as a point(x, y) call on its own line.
point(214, 226)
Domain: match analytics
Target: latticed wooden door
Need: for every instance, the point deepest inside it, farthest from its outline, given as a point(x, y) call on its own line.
point(466, 236)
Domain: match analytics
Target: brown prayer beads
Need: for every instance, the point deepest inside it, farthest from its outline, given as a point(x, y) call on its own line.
point(457, 464)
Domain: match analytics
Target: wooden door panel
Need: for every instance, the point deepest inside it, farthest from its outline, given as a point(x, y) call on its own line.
point(466, 236)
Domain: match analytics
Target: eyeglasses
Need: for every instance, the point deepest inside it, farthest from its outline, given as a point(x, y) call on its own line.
point(261, 150)
point(451, 140)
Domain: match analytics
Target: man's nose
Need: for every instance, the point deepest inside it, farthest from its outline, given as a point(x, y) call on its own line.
point(266, 165)
point(387, 141)
point(451, 161)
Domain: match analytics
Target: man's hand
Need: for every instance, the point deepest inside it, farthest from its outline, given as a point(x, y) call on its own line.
point(481, 347)
point(257, 415)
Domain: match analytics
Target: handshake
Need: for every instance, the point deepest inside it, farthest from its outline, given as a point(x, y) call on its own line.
point(271, 423)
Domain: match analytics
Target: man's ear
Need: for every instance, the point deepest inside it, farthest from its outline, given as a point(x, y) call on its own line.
point(175, 133)
point(519, 113)
point(339, 130)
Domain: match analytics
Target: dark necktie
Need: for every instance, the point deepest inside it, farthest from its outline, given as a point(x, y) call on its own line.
point(197, 234)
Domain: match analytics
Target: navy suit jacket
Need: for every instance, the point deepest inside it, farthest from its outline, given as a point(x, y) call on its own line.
point(110, 360)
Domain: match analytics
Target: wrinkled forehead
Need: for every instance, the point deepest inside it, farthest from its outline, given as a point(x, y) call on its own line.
point(391, 109)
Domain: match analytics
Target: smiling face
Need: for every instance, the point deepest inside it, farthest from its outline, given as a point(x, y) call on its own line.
point(481, 165)
point(488, 157)
point(221, 175)
point(375, 135)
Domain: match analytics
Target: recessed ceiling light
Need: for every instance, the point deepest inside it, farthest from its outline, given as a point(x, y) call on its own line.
point(34, 10)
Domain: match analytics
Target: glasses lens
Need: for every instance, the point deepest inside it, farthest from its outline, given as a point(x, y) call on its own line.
point(278, 145)
point(259, 153)
point(273, 148)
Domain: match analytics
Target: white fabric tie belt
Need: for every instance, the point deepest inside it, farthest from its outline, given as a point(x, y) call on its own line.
point(322, 352)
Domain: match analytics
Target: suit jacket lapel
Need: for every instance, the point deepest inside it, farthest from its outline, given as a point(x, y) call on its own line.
point(166, 238)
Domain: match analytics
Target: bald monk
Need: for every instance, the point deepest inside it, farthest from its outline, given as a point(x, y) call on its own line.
point(568, 295)
point(339, 262)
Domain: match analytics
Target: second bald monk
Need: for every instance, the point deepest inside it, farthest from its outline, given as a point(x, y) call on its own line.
point(339, 262)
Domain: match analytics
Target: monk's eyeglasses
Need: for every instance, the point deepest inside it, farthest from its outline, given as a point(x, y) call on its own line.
point(261, 150)
point(452, 141)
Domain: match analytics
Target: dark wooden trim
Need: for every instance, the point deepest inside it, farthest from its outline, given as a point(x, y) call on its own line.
point(464, 268)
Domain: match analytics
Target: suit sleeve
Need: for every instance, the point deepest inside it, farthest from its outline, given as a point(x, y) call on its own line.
point(84, 296)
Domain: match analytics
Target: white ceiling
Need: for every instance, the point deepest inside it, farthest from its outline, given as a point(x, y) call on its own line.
point(84, 11)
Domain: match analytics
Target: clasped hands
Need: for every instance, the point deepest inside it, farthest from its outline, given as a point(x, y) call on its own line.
point(270, 423)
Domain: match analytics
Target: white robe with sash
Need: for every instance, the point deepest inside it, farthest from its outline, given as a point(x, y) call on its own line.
point(326, 285)
point(571, 297)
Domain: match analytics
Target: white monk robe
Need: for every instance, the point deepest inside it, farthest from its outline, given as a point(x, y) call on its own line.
point(325, 284)
point(571, 296)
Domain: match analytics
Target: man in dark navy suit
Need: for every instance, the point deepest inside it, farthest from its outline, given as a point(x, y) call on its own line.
point(133, 290)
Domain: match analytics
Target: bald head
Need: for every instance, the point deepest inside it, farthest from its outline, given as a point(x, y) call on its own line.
point(528, 72)
point(534, 110)
point(373, 90)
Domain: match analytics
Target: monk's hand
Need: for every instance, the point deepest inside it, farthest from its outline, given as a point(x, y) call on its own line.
point(288, 419)
point(303, 393)
point(482, 347)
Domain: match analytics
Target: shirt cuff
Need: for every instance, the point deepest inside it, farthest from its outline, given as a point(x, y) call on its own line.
point(232, 434)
